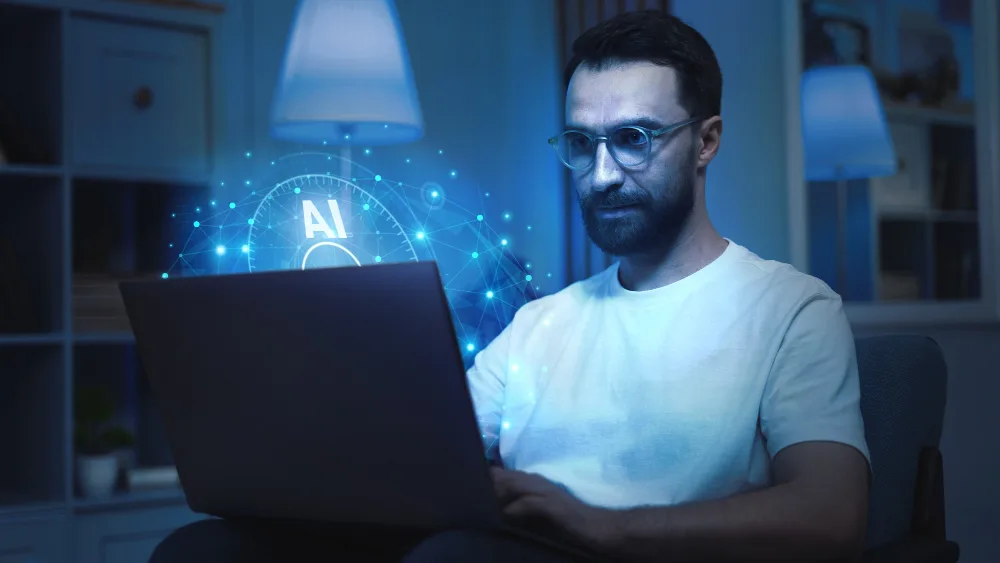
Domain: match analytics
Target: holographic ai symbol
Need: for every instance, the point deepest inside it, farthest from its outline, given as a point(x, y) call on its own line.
point(321, 221)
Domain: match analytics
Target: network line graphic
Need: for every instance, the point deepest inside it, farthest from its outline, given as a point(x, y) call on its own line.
point(304, 213)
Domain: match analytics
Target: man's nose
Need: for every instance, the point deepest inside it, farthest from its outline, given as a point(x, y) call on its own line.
point(607, 173)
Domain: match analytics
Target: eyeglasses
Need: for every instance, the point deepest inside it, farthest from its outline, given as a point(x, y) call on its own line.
point(629, 146)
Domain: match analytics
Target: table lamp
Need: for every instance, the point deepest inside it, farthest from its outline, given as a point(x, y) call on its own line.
point(845, 137)
point(346, 79)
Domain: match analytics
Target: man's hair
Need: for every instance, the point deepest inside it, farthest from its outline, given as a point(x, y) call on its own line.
point(660, 38)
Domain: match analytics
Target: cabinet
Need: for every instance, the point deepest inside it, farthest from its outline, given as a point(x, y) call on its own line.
point(141, 102)
point(110, 116)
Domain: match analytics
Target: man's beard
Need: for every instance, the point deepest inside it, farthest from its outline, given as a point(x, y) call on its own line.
point(653, 224)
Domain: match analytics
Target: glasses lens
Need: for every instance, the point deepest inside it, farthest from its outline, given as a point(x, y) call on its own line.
point(576, 150)
point(630, 145)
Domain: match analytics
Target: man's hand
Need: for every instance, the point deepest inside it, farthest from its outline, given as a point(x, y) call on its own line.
point(531, 499)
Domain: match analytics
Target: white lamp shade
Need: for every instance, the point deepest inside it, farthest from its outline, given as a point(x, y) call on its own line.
point(346, 77)
point(844, 131)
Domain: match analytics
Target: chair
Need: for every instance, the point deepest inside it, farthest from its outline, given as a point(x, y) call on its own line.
point(903, 388)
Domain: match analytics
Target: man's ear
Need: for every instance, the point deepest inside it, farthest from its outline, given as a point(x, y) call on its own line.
point(709, 138)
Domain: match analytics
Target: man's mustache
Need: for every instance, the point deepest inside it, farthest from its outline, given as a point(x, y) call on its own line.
point(614, 198)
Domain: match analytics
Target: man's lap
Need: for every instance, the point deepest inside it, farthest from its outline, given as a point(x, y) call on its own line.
point(224, 541)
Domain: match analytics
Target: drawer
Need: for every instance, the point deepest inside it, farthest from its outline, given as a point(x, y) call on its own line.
point(140, 98)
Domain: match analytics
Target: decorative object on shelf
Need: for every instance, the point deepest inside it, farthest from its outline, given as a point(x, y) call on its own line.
point(98, 442)
point(346, 79)
point(834, 38)
point(845, 137)
point(929, 72)
point(909, 188)
point(97, 305)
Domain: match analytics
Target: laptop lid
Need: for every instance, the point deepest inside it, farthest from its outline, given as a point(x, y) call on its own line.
point(323, 394)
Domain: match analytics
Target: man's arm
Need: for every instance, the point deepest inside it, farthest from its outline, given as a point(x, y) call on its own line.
point(487, 379)
point(810, 417)
point(816, 510)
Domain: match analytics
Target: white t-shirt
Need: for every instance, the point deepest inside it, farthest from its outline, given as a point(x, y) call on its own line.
point(677, 394)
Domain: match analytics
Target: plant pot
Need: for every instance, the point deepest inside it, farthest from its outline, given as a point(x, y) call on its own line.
point(97, 475)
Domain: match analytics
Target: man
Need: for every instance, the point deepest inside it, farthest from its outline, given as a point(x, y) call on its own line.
point(691, 403)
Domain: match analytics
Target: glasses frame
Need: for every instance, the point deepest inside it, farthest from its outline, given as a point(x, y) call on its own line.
point(650, 134)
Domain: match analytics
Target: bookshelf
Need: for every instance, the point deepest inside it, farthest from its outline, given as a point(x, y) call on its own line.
point(89, 174)
point(919, 244)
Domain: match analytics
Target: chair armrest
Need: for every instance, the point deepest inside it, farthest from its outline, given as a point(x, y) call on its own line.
point(913, 550)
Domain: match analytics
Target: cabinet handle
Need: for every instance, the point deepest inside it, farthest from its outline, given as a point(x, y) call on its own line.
point(142, 99)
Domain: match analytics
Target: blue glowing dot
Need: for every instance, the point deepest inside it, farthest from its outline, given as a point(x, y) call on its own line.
point(527, 277)
point(222, 183)
point(232, 205)
point(475, 255)
point(504, 242)
point(420, 235)
point(434, 193)
point(248, 154)
point(324, 143)
point(347, 137)
point(164, 275)
point(407, 161)
point(246, 248)
point(440, 151)
point(247, 182)
point(366, 207)
point(212, 203)
point(470, 346)
point(378, 177)
point(529, 227)
point(386, 126)
point(197, 210)
point(173, 215)
point(197, 224)
point(453, 173)
point(378, 258)
point(368, 151)
point(479, 217)
point(506, 216)
point(250, 221)
point(220, 250)
point(505, 425)
point(489, 295)
point(548, 275)
point(297, 190)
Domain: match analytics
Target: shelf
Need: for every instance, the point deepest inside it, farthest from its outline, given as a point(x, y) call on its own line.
point(31, 251)
point(122, 230)
point(961, 116)
point(30, 104)
point(31, 339)
point(32, 408)
point(30, 170)
point(131, 499)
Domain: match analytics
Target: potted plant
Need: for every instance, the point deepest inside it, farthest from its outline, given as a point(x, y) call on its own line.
point(98, 443)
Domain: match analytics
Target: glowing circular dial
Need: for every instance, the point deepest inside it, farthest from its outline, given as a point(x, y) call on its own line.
point(320, 220)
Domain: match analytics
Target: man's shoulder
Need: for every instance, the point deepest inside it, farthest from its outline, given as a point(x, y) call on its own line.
point(571, 298)
point(779, 282)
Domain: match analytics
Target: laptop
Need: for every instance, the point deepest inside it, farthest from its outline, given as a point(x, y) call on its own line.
point(326, 395)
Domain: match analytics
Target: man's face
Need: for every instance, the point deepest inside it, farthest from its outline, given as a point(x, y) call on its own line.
point(640, 209)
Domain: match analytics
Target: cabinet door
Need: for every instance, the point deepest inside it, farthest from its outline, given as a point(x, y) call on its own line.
point(128, 536)
point(33, 540)
point(140, 98)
